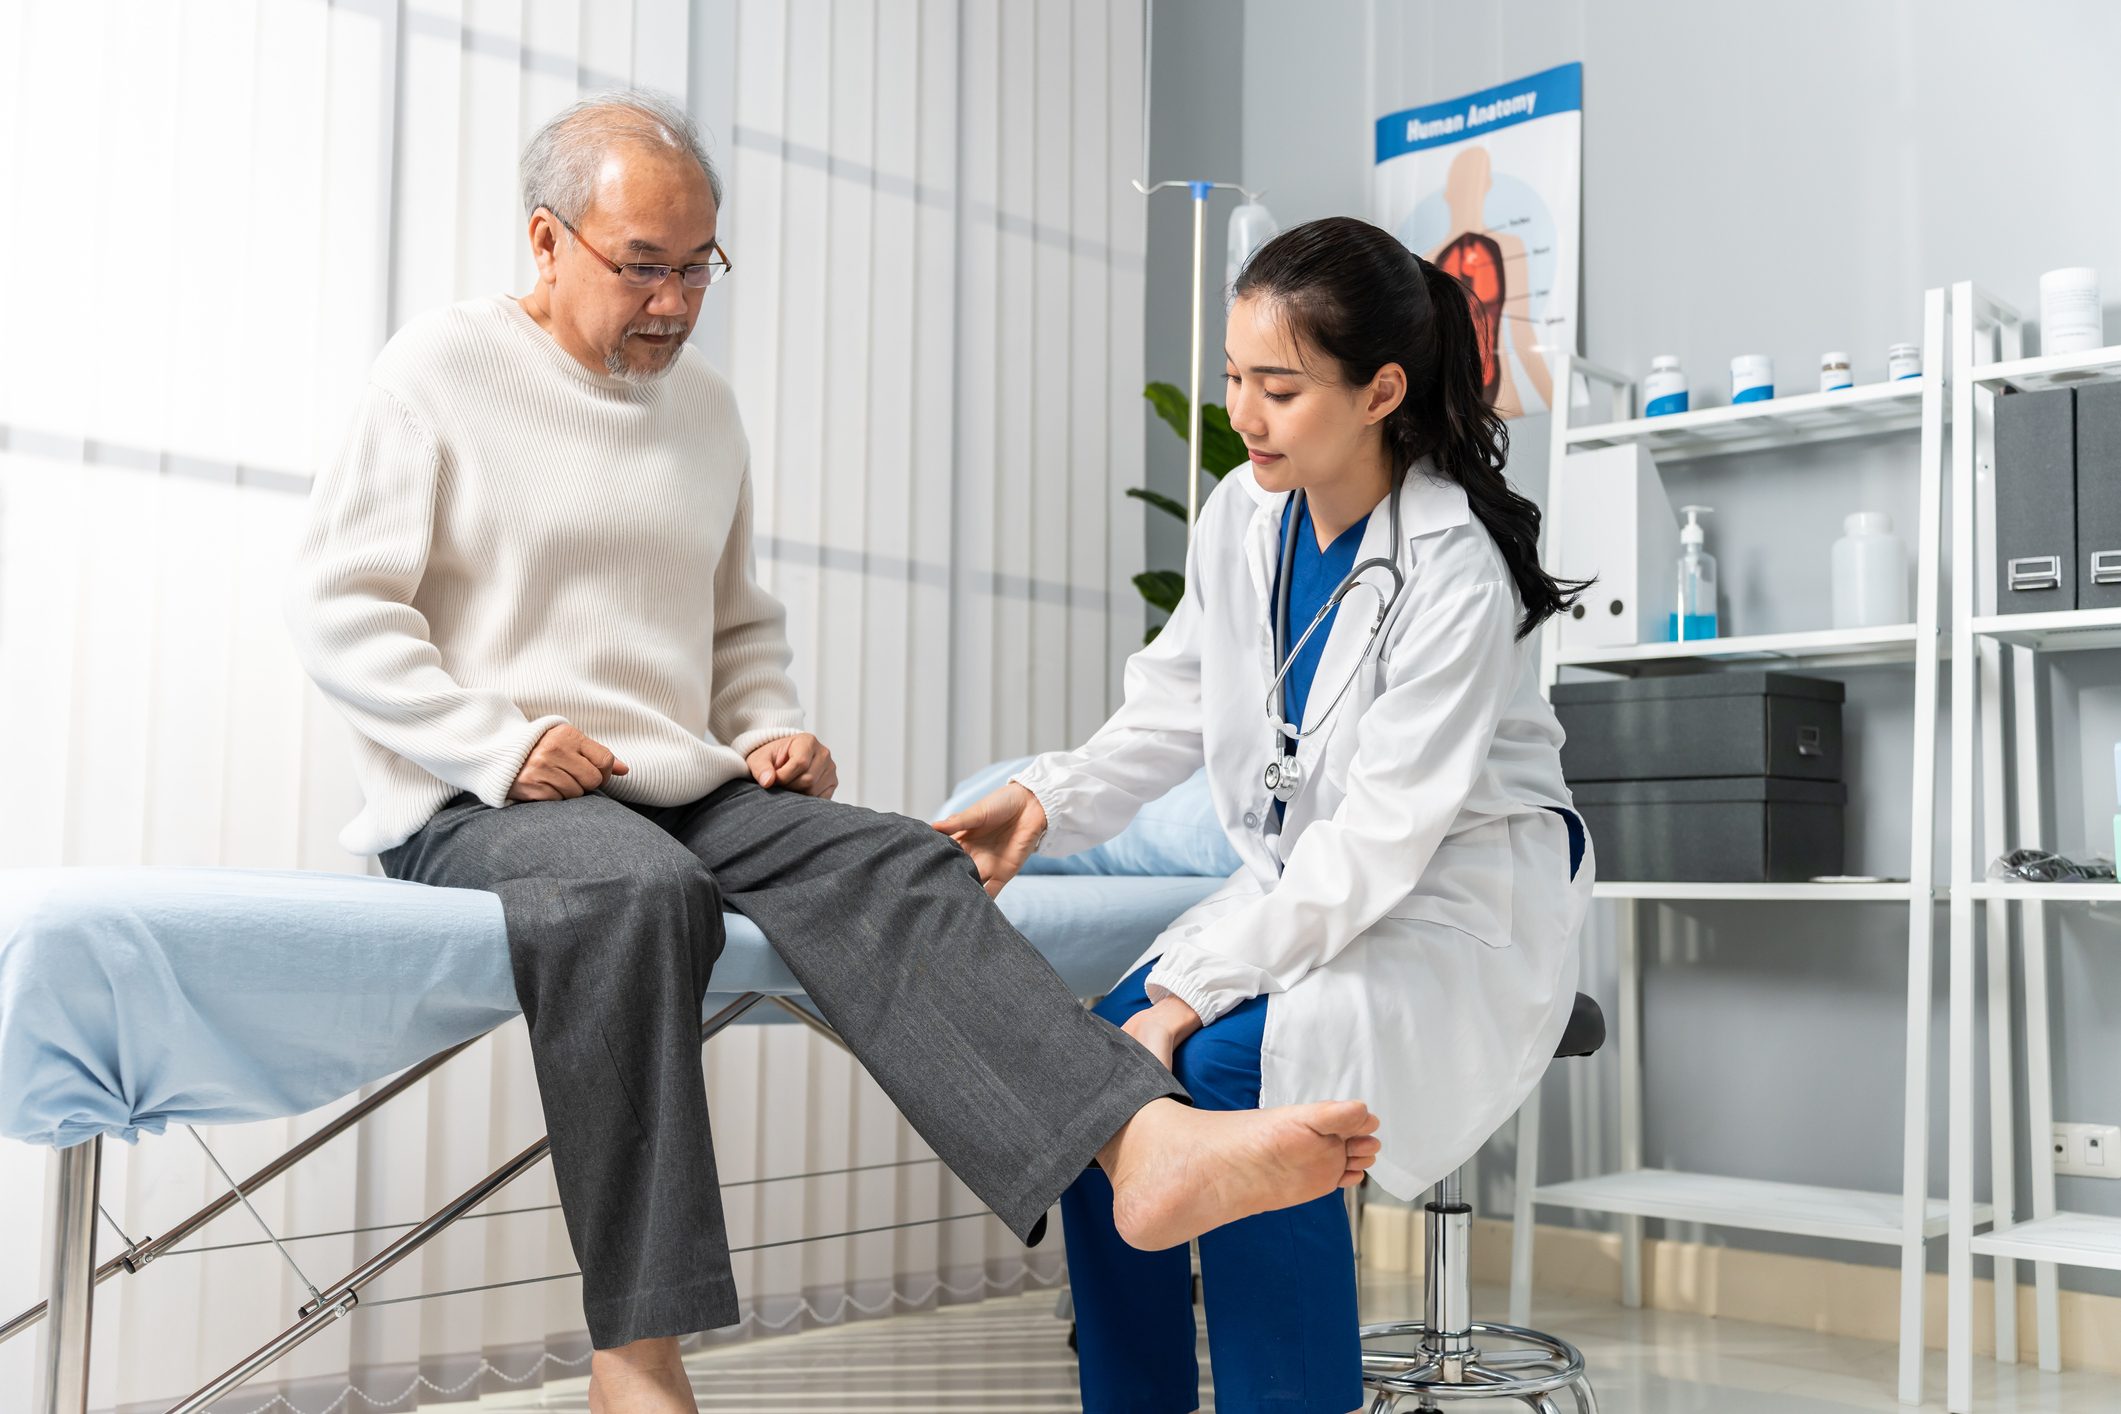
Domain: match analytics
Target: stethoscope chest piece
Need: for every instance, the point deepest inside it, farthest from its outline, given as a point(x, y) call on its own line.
point(1285, 777)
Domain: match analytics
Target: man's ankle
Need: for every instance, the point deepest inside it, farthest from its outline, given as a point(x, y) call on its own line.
point(1140, 1127)
point(656, 1353)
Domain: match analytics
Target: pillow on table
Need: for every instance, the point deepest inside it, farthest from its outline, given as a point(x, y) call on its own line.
point(1177, 835)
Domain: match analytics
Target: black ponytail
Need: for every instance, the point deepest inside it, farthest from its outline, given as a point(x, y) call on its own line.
point(1355, 293)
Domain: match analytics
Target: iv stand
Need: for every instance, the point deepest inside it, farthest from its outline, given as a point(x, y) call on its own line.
point(1199, 190)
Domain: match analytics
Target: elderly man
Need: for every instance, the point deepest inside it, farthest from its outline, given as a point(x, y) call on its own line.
point(527, 583)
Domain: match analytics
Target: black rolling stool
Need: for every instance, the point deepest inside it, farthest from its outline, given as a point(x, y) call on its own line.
point(1443, 1363)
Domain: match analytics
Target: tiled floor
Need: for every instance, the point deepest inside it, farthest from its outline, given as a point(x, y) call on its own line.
point(1010, 1356)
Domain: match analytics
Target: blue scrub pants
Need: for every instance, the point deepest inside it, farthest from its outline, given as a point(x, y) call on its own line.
point(1279, 1287)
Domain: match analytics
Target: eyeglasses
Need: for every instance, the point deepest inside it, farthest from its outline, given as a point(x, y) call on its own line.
point(647, 277)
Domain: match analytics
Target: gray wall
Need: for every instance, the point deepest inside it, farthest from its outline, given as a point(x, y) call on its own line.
point(1196, 133)
point(1781, 188)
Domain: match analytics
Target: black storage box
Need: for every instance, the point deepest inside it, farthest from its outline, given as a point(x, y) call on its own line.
point(1701, 725)
point(1720, 830)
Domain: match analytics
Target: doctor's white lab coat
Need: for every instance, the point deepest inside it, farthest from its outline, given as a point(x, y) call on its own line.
point(1413, 918)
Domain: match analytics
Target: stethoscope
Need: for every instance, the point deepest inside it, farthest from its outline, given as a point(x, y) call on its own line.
point(1283, 776)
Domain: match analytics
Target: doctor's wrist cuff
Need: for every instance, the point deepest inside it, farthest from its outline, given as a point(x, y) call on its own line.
point(1046, 804)
point(1160, 984)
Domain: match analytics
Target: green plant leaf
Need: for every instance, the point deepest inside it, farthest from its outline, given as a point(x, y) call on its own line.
point(1159, 500)
point(1162, 588)
point(1170, 404)
point(1220, 448)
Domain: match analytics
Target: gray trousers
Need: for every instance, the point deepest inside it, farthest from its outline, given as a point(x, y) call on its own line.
point(614, 917)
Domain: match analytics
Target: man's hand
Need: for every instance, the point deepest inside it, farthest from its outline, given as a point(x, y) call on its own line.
point(798, 763)
point(1162, 1026)
point(999, 832)
point(565, 765)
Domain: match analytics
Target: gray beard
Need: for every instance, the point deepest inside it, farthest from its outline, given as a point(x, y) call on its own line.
point(615, 364)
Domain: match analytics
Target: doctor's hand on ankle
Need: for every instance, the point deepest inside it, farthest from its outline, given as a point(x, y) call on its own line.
point(799, 763)
point(999, 831)
point(1162, 1026)
point(565, 765)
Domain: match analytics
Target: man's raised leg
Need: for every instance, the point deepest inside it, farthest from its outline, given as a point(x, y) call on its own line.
point(978, 1041)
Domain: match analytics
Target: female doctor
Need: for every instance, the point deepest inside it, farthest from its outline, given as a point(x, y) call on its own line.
point(1352, 662)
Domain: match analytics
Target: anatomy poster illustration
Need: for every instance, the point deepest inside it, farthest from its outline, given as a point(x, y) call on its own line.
point(1489, 186)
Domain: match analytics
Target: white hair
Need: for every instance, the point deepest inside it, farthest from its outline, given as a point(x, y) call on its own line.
point(560, 164)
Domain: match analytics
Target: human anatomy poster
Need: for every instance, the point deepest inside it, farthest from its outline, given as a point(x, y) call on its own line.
point(1489, 187)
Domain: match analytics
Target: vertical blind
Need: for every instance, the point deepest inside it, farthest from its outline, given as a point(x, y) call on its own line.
point(222, 210)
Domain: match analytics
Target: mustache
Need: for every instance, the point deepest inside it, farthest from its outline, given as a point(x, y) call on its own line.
point(660, 326)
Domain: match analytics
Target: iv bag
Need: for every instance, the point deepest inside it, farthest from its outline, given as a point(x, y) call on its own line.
point(1251, 226)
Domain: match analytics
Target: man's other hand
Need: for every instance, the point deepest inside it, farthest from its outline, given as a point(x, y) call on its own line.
point(798, 763)
point(564, 765)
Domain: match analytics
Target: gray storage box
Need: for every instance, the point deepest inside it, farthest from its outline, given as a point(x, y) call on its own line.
point(1739, 830)
point(2099, 496)
point(1701, 725)
point(2036, 502)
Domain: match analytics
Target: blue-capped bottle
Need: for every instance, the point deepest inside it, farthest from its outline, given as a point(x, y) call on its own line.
point(1694, 605)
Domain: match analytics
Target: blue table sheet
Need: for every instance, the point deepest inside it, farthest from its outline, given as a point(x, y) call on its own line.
point(131, 999)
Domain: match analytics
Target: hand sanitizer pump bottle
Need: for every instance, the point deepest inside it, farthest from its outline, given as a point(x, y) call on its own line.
point(1694, 607)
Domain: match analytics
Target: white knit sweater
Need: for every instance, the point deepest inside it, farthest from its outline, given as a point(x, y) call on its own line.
point(507, 541)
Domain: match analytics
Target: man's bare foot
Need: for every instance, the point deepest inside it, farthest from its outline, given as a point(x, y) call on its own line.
point(646, 1377)
point(1178, 1172)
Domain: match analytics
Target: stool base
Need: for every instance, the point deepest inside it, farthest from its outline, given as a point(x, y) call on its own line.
point(1410, 1373)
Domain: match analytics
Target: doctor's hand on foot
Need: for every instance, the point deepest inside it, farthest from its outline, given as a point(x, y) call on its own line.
point(1162, 1026)
point(799, 763)
point(999, 831)
point(565, 765)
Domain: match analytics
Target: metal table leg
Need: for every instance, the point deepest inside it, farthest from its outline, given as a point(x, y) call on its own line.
point(147, 1249)
point(77, 1173)
point(342, 1296)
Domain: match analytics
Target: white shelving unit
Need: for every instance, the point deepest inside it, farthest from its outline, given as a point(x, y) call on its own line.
point(1993, 655)
point(1884, 892)
point(1774, 425)
point(2075, 1239)
point(1847, 1214)
point(1845, 647)
point(1906, 1219)
point(2053, 633)
point(2032, 375)
point(1988, 891)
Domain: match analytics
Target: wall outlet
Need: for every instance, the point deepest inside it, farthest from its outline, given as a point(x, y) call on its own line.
point(2088, 1150)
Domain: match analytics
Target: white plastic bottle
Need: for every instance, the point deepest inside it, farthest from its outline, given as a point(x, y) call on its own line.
point(1870, 573)
point(1694, 604)
point(1752, 378)
point(2071, 320)
point(1664, 391)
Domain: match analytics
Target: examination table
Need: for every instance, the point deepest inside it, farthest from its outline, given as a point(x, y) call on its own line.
point(134, 998)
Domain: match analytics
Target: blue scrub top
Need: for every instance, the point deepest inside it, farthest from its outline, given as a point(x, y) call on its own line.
point(1315, 574)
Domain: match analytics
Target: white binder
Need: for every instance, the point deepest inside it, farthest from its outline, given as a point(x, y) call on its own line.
point(1613, 521)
